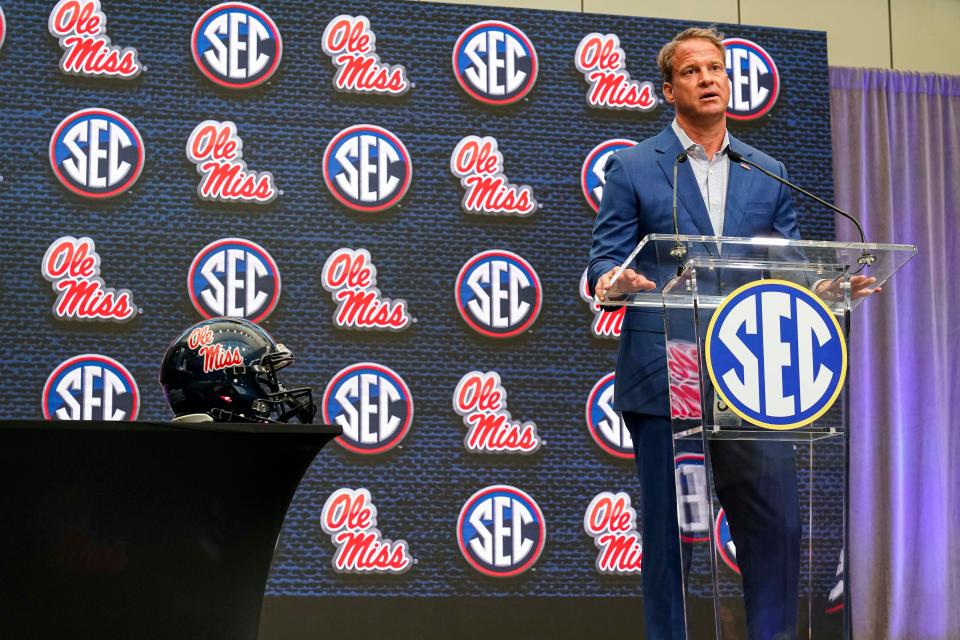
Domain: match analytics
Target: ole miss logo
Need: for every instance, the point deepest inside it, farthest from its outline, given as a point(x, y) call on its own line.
point(693, 508)
point(349, 517)
point(606, 324)
point(498, 294)
point(367, 168)
point(479, 165)
point(236, 45)
point(351, 45)
point(235, 278)
point(604, 423)
point(501, 531)
point(754, 79)
point(72, 266)
point(593, 171)
point(495, 63)
point(604, 65)
point(372, 404)
point(90, 387)
point(96, 153)
point(217, 151)
point(81, 27)
point(776, 354)
point(351, 278)
point(612, 523)
point(481, 401)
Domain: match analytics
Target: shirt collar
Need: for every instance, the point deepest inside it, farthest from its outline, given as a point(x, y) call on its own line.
point(689, 144)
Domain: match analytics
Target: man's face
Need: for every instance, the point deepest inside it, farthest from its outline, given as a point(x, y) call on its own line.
point(699, 88)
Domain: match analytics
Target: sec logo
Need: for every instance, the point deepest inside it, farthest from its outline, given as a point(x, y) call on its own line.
point(501, 531)
point(495, 63)
point(693, 509)
point(592, 174)
point(90, 387)
point(372, 404)
point(96, 153)
point(776, 354)
point(498, 294)
point(754, 79)
point(236, 45)
point(604, 423)
point(235, 278)
point(724, 541)
point(367, 168)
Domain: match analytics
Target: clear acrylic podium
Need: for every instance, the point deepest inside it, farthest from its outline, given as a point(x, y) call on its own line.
point(694, 276)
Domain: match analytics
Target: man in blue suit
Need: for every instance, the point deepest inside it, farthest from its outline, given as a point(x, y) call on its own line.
point(755, 481)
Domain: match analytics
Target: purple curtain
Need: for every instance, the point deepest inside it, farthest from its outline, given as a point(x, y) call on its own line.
point(896, 146)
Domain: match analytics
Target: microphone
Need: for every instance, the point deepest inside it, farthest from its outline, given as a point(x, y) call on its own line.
point(865, 259)
point(678, 251)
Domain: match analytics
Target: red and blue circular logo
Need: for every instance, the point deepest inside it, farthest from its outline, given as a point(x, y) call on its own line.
point(592, 173)
point(754, 79)
point(495, 63)
point(372, 404)
point(90, 387)
point(724, 541)
point(96, 153)
point(234, 278)
point(367, 168)
point(501, 531)
point(604, 423)
point(498, 294)
point(236, 45)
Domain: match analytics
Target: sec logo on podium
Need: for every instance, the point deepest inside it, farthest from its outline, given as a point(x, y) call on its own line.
point(776, 354)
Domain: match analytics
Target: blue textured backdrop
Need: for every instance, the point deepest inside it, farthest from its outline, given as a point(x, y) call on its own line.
point(148, 237)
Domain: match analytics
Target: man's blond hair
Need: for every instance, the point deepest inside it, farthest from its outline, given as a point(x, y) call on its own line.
point(665, 57)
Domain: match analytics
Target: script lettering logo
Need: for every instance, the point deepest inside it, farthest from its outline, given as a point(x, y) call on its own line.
point(351, 45)
point(72, 266)
point(349, 517)
point(481, 401)
point(479, 165)
point(612, 523)
point(604, 65)
point(81, 28)
point(217, 151)
point(351, 278)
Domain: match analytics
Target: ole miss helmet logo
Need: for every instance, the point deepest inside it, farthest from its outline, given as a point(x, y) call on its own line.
point(479, 165)
point(593, 171)
point(90, 387)
point(367, 168)
point(693, 509)
point(604, 423)
point(349, 517)
point(604, 65)
point(498, 294)
point(351, 45)
point(235, 278)
point(236, 45)
point(606, 324)
point(776, 354)
point(217, 151)
point(495, 63)
point(72, 266)
point(81, 27)
point(754, 79)
point(96, 153)
point(612, 523)
point(372, 404)
point(724, 541)
point(501, 531)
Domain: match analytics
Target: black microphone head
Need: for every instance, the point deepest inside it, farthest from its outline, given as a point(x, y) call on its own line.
point(734, 156)
point(681, 157)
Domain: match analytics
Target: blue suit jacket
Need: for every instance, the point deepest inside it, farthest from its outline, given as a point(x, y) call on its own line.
point(637, 200)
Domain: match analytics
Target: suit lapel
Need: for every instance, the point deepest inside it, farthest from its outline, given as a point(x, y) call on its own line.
point(688, 193)
point(739, 182)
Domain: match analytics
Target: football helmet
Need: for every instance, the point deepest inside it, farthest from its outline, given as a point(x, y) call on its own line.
point(227, 368)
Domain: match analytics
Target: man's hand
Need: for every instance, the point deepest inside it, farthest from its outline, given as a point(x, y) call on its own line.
point(860, 287)
point(629, 282)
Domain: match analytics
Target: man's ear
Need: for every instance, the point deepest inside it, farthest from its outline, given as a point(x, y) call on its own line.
point(668, 92)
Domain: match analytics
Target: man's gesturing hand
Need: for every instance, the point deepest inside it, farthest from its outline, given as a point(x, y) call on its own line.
point(629, 282)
